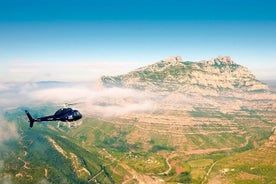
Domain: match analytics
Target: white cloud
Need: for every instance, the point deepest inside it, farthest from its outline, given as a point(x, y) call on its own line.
point(91, 101)
point(6, 180)
point(8, 130)
point(115, 110)
point(3, 87)
point(59, 95)
point(103, 102)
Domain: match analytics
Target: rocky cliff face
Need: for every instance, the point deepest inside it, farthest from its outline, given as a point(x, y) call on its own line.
point(213, 77)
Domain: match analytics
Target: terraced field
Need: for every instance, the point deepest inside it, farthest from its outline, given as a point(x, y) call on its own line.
point(194, 145)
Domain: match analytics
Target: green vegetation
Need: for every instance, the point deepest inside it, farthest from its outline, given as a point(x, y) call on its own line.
point(157, 148)
point(184, 177)
point(253, 166)
point(227, 144)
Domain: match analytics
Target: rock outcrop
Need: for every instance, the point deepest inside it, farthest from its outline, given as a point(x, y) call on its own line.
point(219, 75)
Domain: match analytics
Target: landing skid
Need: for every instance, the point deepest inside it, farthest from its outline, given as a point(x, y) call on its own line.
point(68, 124)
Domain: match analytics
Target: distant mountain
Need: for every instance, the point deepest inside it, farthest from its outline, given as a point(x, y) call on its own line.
point(271, 84)
point(218, 75)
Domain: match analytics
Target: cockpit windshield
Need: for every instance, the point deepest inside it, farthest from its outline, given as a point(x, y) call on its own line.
point(77, 114)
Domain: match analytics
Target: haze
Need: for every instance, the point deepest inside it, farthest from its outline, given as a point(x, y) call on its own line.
point(80, 41)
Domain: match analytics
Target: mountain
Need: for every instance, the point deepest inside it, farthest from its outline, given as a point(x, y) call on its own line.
point(177, 122)
point(271, 84)
point(218, 75)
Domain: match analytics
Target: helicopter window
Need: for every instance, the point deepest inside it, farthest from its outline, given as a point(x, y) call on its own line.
point(76, 113)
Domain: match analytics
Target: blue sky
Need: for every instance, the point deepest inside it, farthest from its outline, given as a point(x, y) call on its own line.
point(82, 40)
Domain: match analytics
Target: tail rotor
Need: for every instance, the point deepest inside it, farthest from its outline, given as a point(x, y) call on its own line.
point(31, 119)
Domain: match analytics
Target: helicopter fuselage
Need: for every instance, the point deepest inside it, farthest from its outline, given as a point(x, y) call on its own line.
point(63, 114)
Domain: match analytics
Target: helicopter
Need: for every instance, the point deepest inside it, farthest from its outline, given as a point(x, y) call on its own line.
point(63, 114)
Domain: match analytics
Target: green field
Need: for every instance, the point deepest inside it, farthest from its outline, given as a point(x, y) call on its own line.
point(233, 150)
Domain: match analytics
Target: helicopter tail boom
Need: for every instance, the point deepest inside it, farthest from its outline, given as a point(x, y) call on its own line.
point(31, 119)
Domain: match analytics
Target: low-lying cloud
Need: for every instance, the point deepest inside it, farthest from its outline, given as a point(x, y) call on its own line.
point(101, 102)
point(89, 100)
point(8, 130)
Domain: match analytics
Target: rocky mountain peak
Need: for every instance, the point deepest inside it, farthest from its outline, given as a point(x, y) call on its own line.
point(216, 76)
point(173, 59)
point(225, 60)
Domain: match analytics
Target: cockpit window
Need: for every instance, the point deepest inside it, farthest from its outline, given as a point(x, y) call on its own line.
point(76, 113)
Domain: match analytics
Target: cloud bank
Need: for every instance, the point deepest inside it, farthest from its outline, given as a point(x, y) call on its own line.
point(89, 100)
point(8, 130)
point(100, 102)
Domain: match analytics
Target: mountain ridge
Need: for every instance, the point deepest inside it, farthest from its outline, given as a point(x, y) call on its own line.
point(217, 75)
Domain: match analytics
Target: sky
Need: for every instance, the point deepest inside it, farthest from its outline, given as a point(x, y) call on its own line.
point(70, 40)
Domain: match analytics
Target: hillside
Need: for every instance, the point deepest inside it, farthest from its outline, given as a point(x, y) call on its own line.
point(170, 122)
point(176, 87)
point(211, 77)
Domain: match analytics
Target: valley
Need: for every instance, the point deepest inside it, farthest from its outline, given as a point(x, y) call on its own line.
point(217, 131)
point(140, 148)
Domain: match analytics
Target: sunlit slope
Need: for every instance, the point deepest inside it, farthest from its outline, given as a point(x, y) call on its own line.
point(211, 77)
point(146, 147)
point(254, 166)
point(48, 153)
point(167, 151)
point(168, 126)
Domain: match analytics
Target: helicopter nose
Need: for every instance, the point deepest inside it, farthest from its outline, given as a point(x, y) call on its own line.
point(79, 116)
